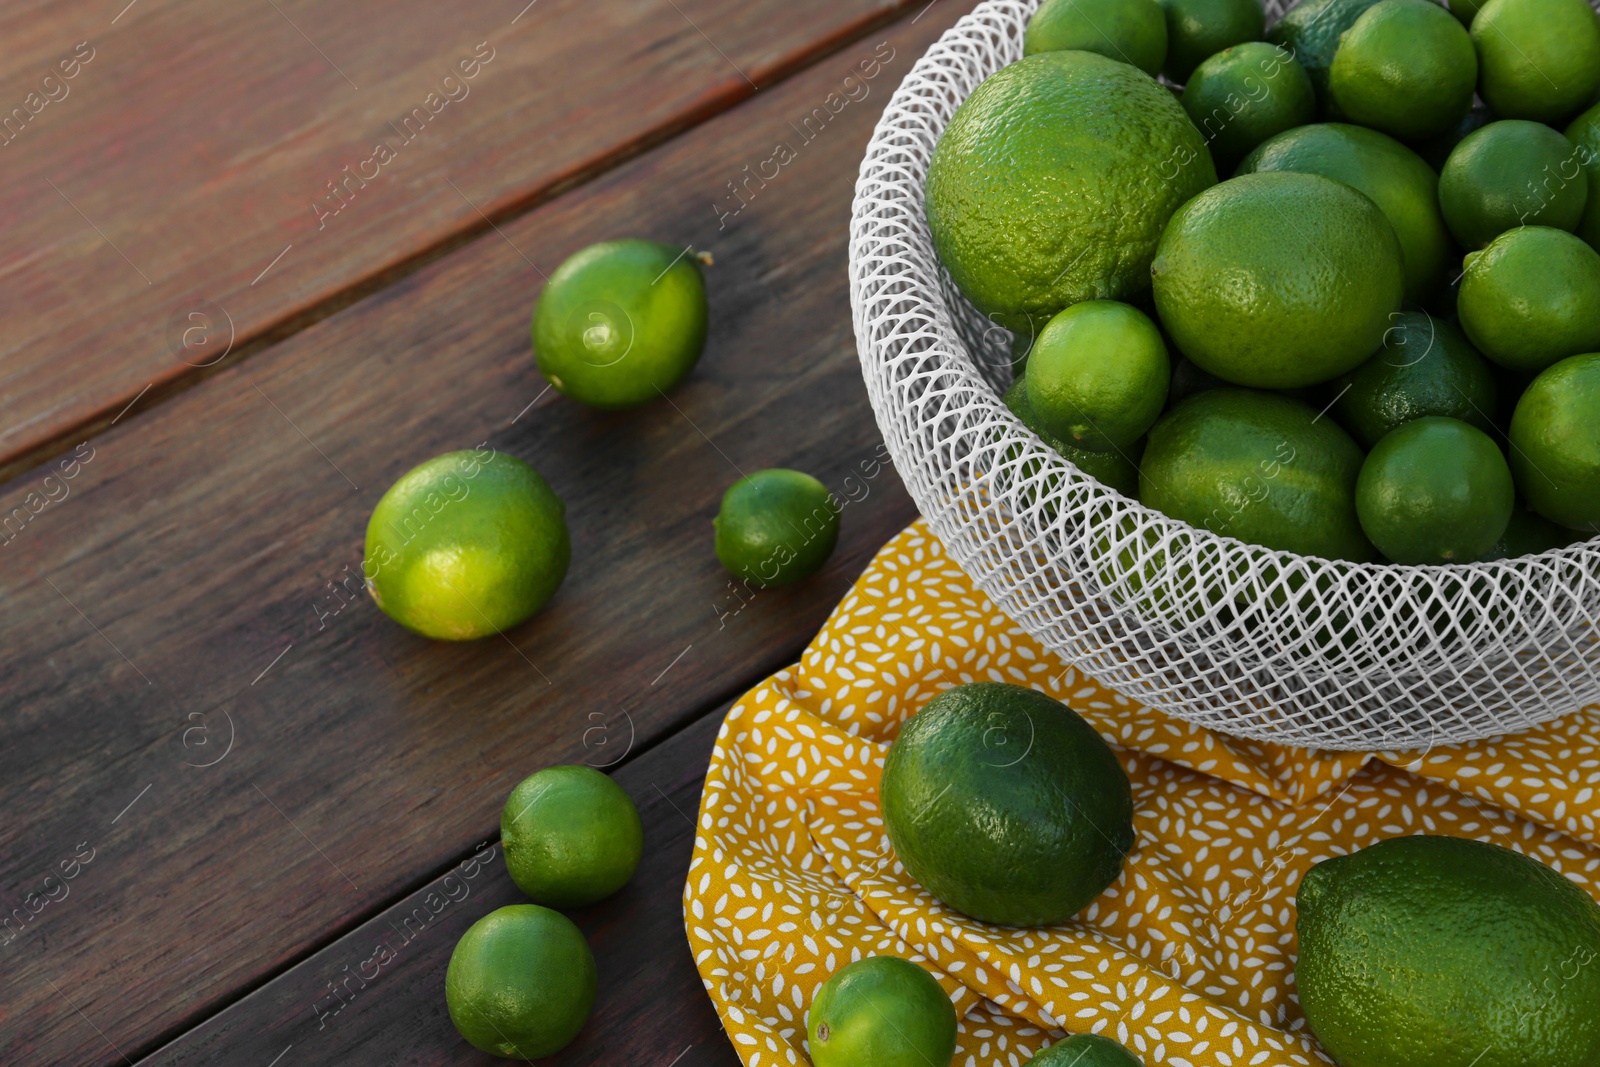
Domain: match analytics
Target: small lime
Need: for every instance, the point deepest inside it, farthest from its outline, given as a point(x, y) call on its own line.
point(1435, 491)
point(1538, 59)
point(1405, 68)
point(1085, 1050)
point(1555, 443)
point(1097, 376)
point(1197, 29)
point(776, 527)
point(1119, 470)
point(1129, 31)
point(881, 1011)
point(1532, 298)
point(521, 982)
point(571, 835)
point(1245, 94)
point(1510, 173)
point(1425, 367)
point(1584, 133)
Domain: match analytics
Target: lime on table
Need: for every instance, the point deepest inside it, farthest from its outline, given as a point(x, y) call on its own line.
point(881, 1011)
point(1005, 805)
point(1425, 367)
point(1538, 59)
point(1086, 1050)
point(571, 835)
point(1245, 94)
point(1130, 31)
point(466, 545)
point(1442, 952)
point(621, 322)
point(1555, 439)
point(1053, 182)
point(1197, 29)
point(1508, 174)
point(1584, 133)
point(521, 982)
point(1405, 68)
point(1435, 491)
point(1119, 470)
point(776, 527)
point(1532, 298)
point(1097, 376)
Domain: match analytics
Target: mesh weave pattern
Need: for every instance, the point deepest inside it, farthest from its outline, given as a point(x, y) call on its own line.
point(1235, 637)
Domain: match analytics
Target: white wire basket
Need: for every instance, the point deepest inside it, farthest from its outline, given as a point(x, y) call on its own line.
point(1238, 638)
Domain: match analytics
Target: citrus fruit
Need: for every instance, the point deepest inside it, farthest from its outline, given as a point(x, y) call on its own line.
point(1537, 59)
point(1245, 94)
point(1097, 376)
point(1532, 298)
point(1197, 29)
point(1130, 31)
point(571, 835)
point(1005, 805)
point(1584, 133)
point(1259, 467)
point(1442, 952)
point(1278, 279)
point(1435, 491)
point(1085, 1050)
point(1528, 534)
point(465, 545)
point(1436, 150)
point(881, 1011)
point(1394, 177)
point(776, 527)
point(621, 322)
point(1053, 182)
point(1555, 443)
point(1506, 175)
point(1311, 32)
point(1425, 367)
point(1119, 470)
point(1405, 68)
point(521, 982)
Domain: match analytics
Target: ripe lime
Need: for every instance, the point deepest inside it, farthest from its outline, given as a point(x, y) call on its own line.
point(1245, 94)
point(621, 322)
point(464, 546)
point(1119, 470)
point(571, 835)
point(1528, 534)
point(1197, 29)
point(1005, 805)
point(1278, 279)
point(1097, 376)
point(1425, 367)
point(1537, 59)
point(881, 1011)
point(1405, 68)
point(1509, 174)
point(1555, 439)
point(1584, 133)
point(1435, 491)
point(1311, 31)
point(521, 982)
point(1532, 298)
point(1053, 182)
point(776, 527)
point(1085, 1050)
point(1130, 31)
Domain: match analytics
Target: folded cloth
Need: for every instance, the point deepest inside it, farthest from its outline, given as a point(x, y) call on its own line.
point(1188, 959)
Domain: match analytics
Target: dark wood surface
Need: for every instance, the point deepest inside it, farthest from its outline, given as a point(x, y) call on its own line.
point(257, 768)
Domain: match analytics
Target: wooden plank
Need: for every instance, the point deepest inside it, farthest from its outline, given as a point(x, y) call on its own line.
point(223, 173)
point(180, 598)
point(354, 1003)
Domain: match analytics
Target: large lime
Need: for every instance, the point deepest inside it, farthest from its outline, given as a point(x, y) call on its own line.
point(1555, 443)
point(1119, 470)
point(571, 835)
point(1538, 59)
point(1405, 68)
point(881, 1011)
point(776, 527)
point(521, 982)
point(1532, 298)
point(1425, 367)
point(1132, 31)
point(1245, 94)
point(1435, 491)
point(1197, 29)
point(1508, 174)
point(1097, 376)
point(1086, 1050)
point(1584, 133)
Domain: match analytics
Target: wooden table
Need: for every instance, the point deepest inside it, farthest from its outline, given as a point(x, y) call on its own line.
point(259, 260)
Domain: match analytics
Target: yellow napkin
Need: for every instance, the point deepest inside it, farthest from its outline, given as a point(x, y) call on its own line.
point(1188, 959)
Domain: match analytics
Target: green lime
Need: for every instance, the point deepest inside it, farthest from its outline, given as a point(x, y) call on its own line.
point(1555, 443)
point(572, 836)
point(1278, 279)
point(1435, 491)
point(1532, 298)
point(1005, 805)
point(1466, 10)
point(1053, 182)
point(1435, 151)
point(1528, 534)
point(521, 982)
point(1119, 470)
point(1097, 376)
point(466, 545)
point(1405, 189)
point(1584, 133)
point(1130, 31)
point(881, 1011)
point(621, 322)
point(1197, 29)
point(1442, 952)
point(1259, 467)
point(1538, 59)
point(1085, 1050)
point(1510, 174)
point(1405, 68)
point(1245, 94)
point(1425, 367)
point(776, 527)
point(1311, 30)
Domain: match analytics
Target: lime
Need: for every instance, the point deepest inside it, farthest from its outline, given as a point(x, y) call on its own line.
point(1245, 94)
point(776, 527)
point(1466, 10)
point(1405, 189)
point(1532, 298)
point(1538, 59)
point(1131, 31)
point(1555, 443)
point(1528, 534)
point(520, 982)
point(621, 322)
point(1097, 376)
point(1119, 470)
point(1263, 468)
point(1197, 29)
point(1311, 32)
point(1425, 367)
point(466, 545)
point(1053, 182)
point(1085, 1050)
point(881, 1011)
point(1278, 279)
point(1435, 491)
point(572, 836)
point(1509, 174)
point(1436, 150)
point(1584, 133)
point(1005, 805)
point(1405, 68)
point(1442, 952)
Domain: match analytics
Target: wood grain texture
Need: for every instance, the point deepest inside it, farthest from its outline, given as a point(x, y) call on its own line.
point(198, 141)
point(258, 769)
